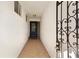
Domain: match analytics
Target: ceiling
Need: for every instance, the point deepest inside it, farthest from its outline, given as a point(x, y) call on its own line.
point(34, 8)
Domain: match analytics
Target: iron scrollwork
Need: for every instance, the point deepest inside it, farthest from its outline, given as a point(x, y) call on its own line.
point(67, 28)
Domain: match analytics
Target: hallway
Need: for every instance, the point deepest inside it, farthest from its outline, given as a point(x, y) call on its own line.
point(27, 19)
point(34, 49)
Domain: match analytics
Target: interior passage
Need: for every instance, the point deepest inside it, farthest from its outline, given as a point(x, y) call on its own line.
point(34, 49)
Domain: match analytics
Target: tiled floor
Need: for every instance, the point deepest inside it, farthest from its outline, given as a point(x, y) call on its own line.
point(34, 49)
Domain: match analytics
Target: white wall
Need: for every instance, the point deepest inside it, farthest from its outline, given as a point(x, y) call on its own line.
point(48, 29)
point(13, 30)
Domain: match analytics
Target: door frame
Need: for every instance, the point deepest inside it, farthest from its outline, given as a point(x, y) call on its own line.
point(31, 27)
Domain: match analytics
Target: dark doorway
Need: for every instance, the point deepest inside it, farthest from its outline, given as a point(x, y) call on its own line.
point(34, 29)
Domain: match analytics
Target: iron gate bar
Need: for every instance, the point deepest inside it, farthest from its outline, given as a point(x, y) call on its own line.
point(57, 29)
point(77, 28)
point(59, 3)
point(67, 33)
point(61, 32)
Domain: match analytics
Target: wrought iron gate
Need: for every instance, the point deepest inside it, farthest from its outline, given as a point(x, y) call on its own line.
point(67, 29)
